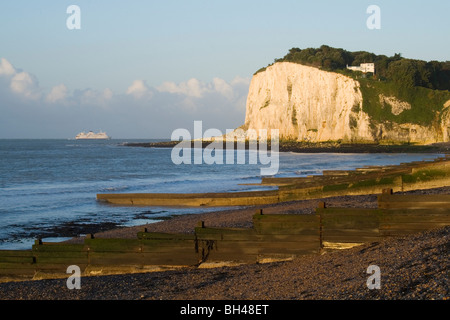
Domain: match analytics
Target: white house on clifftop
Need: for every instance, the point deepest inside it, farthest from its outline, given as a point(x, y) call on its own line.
point(364, 67)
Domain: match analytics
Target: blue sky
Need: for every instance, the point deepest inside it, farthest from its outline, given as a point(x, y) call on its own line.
point(140, 69)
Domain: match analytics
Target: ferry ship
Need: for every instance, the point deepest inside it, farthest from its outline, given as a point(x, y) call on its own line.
point(91, 135)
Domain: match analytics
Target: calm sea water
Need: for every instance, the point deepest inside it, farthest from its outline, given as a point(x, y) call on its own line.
point(48, 187)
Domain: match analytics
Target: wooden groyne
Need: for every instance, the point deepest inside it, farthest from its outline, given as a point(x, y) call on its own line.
point(369, 179)
point(191, 199)
point(273, 237)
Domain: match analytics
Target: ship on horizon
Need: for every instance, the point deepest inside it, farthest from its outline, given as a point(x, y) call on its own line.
point(91, 135)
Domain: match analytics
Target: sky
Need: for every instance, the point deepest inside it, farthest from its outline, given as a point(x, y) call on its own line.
point(141, 69)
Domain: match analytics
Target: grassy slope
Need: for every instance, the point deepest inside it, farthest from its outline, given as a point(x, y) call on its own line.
point(426, 104)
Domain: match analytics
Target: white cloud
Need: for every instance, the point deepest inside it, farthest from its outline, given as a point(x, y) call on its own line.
point(170, 87)
point(191, 88)
point(197, 89)
point(143, 111)
point(93, 98)
point(6, 68)
point(240, 81)
point(58, 93)
point(107, 94)
point(223, 88)
point(194, 88)
point(139, 89)
point(25, 84)
point(20, 83)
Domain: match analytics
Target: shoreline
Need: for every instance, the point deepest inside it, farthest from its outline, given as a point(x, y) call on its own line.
point(74, 227)
point(319, 147)
point(414, 266)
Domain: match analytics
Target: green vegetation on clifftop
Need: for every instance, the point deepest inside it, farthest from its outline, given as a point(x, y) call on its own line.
point(404, 72)
point(426, 104)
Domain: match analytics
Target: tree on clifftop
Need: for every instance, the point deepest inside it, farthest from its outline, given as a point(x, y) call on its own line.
point(404, 72)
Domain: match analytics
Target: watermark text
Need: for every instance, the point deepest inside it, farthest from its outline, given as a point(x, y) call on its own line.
point(190, 150)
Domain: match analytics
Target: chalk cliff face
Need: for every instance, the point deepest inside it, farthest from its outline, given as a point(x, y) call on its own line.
point(308, 104)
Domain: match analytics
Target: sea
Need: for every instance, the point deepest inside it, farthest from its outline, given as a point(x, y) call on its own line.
point(48, 187)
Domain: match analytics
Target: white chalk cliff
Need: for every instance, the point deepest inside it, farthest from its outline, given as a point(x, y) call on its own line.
point(308, 104)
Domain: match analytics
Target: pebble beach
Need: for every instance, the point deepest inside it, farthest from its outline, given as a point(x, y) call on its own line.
point(411, 267)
